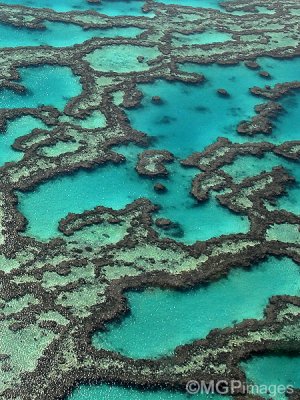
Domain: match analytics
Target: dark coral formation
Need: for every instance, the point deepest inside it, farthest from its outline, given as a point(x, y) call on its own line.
point(223, 93)
point(160, 188)
point(275, 93)
point(151, 163)
point(261, 123)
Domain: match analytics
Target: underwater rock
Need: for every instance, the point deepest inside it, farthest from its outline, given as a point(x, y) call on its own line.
point(252, 64)
point(223, 93)
point(132, 98)
point(164, 223)
point(265, 74)
point(160, 188)
point(156, 100)
point(141, 59)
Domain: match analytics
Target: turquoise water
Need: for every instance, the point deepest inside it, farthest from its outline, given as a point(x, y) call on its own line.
point(108, 7)
point(209, 115)
point(214, 4)
point(242, 78)
point(273, 370)
point(16, 128)
point(287, 127)
point(200, 38)
point(93, 121)
point(177, 318)
point(46, 85)
point(107, 392)
point(122, 58)
point(57, 34)
point(86, 189)
point(247, 166)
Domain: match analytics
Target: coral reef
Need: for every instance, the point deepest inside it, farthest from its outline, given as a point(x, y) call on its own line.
point(151, 163)
point(55, 294)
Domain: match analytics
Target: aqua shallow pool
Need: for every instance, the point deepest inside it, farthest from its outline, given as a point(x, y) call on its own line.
point(161, 320)
point(18, 127)
point(85, 190)
point(274, 371)
point(209, 116)
point(109, 7)
point(57, 34)
point(45, 85)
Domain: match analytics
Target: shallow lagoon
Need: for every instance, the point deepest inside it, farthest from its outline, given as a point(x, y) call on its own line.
point(177, 318)
point(210, 115)
point(18, 127)
point(111, 58)
point(57, 34)
point(108, 7)
point(273, 370)
point(200, 38)
point(86, 189)
point(112, 7)
point(25, 125)
point(93, 121)
point(46, 85)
